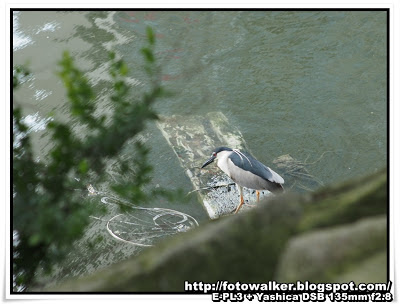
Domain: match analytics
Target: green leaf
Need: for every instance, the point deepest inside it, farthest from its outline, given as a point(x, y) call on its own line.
point(148, 54)
point(123, 70)
point(150, 35)
point(35, 239)
point(83, 166)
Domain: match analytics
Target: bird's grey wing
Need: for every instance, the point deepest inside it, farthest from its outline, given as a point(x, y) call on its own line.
point(274, 177)
point(249, 163)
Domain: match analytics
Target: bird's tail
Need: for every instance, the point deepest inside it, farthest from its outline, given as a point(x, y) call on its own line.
point(279, 187)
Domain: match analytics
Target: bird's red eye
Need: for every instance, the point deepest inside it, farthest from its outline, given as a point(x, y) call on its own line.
point(214, 154)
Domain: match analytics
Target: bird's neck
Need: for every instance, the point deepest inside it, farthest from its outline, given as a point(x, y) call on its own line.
point(223, 161)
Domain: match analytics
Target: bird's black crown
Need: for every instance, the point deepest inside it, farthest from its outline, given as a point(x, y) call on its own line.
point(222, 148)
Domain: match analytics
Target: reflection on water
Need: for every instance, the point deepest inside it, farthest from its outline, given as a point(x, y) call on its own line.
point(302, 83)
point(20, 40)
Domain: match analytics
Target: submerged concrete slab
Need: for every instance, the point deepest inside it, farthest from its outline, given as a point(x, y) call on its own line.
point(193, 138)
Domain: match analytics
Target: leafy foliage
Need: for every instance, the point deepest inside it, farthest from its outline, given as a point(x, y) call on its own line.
point(47, 217)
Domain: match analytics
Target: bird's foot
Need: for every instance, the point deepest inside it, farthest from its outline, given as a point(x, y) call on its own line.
point(240, 204)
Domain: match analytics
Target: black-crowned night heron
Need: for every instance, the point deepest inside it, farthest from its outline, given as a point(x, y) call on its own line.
point(246, 171)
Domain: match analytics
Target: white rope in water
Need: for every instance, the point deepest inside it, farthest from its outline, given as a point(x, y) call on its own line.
point(120, 239)
point(147, 225)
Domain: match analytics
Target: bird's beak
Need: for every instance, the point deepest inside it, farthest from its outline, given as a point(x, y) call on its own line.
point(208, 162)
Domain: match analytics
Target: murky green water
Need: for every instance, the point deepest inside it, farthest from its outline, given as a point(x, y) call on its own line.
point(304, 83)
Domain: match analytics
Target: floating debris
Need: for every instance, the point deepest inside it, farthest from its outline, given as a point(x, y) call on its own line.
point(296, 174)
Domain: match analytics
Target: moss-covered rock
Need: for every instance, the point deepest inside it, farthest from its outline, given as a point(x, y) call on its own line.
point(346, 202)
point(370, 270)
point(322, 255)
point(244, 247)
point(324, 236)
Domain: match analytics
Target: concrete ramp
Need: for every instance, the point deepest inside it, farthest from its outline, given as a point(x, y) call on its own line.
point(193, 138)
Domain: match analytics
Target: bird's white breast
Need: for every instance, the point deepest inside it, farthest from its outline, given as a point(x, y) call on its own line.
point(223, 161)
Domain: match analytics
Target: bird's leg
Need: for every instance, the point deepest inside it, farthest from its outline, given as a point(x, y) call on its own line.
point(258, 195)
point(241, 199)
